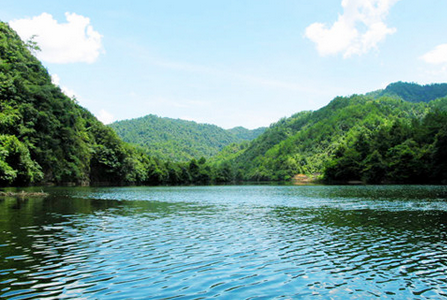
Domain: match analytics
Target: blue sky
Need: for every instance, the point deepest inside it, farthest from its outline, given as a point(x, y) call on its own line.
point(230, 63)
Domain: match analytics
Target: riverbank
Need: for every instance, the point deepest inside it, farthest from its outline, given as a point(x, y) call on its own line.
point(23, 194)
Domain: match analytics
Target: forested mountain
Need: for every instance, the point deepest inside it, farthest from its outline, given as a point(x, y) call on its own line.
point(371, 138)
point(46, 137)
point(179, 140)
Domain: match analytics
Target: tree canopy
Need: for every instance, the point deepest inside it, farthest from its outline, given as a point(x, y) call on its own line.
point(46, 137)
point(357, 138)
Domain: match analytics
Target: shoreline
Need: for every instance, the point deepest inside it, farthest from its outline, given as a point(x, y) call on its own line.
point(23, 194)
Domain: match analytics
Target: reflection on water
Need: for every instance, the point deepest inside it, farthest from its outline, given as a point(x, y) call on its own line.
point(248, 242)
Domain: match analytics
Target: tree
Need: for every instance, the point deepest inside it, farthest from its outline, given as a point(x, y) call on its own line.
point(32, 45)
point(374, 168)
point(439, 155)
point(16, 164)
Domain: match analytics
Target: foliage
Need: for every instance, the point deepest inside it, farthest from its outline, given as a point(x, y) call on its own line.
point(398, 152)
point(337, 142)
point(16, 164)
point(45, 137)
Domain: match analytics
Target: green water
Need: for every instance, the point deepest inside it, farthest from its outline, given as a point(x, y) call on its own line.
point(226, 242)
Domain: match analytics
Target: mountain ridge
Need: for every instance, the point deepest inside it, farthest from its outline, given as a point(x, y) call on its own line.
point(413, 92)
point(309, 142)
point(177, 139)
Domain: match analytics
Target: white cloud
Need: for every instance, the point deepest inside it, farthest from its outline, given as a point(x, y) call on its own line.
point(358, 30)
point(105, 117)
point(55, 79)
point(69, 92)
point(61, 43)
point(436, 56)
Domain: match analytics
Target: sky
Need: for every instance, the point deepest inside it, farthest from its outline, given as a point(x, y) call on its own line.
point(230, 63)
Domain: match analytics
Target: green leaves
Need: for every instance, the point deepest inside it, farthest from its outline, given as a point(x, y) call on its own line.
point(405, 151)
point(32, 45)
point(349, 139)
point(47, 136)
point(16, 164)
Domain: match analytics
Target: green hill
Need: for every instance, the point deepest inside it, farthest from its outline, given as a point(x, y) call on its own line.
point(46, 137)
point(179, 140)
point(345, 141)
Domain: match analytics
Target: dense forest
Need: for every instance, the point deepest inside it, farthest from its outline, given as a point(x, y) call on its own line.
point(179, 140)
point(46, 137)
point(359, 138)
point(395, 135)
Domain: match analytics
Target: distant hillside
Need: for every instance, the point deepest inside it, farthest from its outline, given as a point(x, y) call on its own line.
point(179, 140)
point(245, 134)
point(413, 92)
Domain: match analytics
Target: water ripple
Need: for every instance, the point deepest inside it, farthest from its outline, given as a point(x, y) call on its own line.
point(108, 249)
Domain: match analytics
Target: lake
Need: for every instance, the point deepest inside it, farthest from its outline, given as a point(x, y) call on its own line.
point(226, 242)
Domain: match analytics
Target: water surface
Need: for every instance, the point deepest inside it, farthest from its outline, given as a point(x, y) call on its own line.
point(227, 242)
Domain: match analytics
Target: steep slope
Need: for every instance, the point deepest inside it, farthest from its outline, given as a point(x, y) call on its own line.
point(179, 140)
point(403, 151)
point(46, 137)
